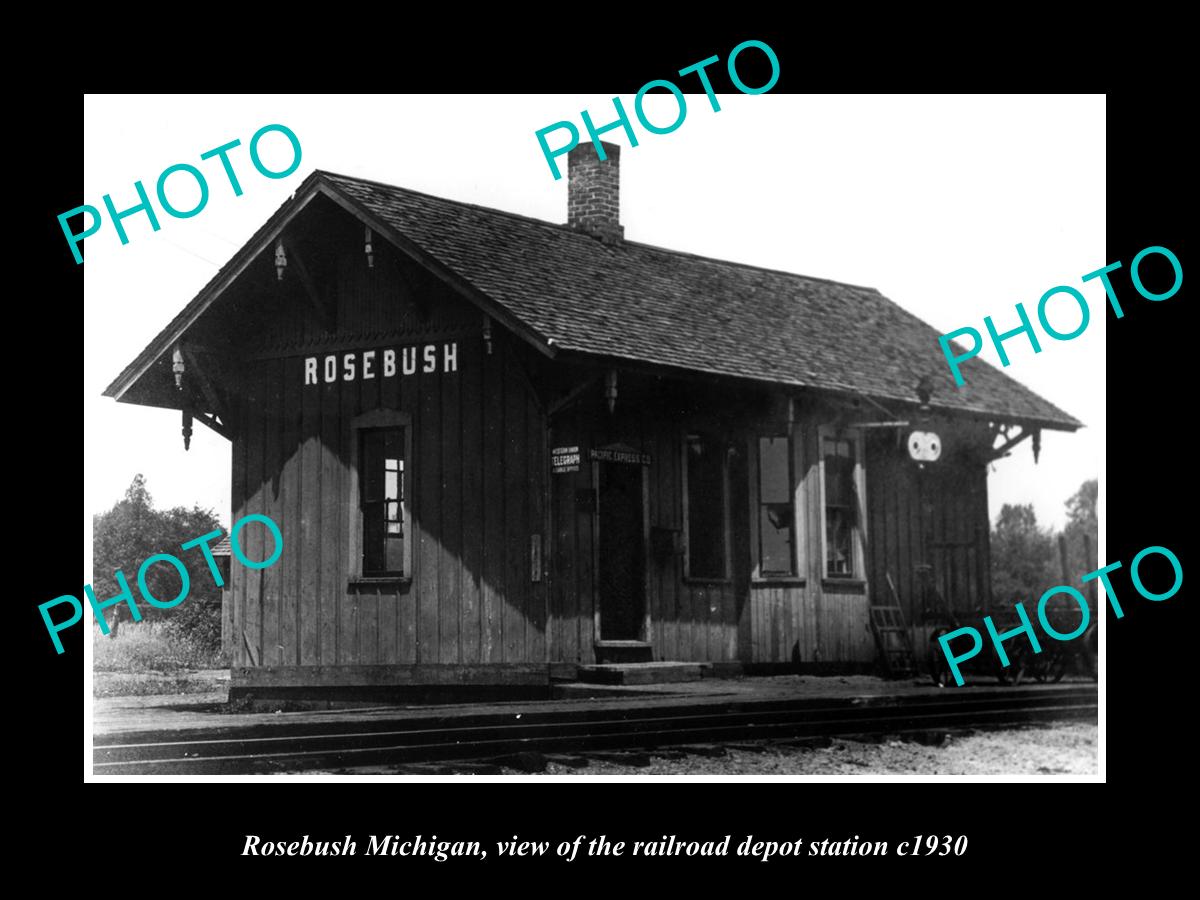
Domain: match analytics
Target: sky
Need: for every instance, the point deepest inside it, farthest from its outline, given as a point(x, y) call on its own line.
point(955, 207)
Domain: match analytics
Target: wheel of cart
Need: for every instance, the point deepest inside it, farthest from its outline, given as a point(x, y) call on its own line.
point(985, 663)
point(1060, 657)
point(1015, 671)
point(1050, 665)
point(937, 613)
point(1022, 660)
point(1057, 667)
point(939, 666)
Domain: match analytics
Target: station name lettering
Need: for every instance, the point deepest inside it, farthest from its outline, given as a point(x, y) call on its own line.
point(386, 363)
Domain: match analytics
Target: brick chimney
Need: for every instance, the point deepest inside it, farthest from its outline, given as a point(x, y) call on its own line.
point(594, 191)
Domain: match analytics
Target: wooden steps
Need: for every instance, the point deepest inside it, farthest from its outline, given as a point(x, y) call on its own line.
point(624, 652)
point(641, 672)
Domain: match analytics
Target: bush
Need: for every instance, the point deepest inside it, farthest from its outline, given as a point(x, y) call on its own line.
point(197, 623)
point(132, 531)
point(153, 647)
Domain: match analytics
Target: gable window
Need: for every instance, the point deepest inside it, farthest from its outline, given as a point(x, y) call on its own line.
point(776, 509)
point(843, 501)
point(706, 518)
point(383, 503)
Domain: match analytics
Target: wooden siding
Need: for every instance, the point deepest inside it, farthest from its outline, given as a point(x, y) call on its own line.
point(477, 460)
point(936, 516)
point(481, 493)
point(689, 620)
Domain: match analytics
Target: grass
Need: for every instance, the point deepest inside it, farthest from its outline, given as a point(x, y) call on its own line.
point(144, 647)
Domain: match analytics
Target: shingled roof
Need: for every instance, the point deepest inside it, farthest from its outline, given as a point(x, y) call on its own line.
point(630, 301)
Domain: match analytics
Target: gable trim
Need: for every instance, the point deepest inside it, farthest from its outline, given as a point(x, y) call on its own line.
point(443, 272)
point(272, 230)
point(190, 313)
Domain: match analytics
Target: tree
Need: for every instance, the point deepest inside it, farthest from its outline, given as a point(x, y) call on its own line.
point(1023, 556)
point(131, 532)
point(121, 539)
point(1083, 530)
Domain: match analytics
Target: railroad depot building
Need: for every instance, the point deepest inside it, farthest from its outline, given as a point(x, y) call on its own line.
point(501, 450)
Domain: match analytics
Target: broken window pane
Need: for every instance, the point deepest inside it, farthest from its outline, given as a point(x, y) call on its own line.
point(776, 525)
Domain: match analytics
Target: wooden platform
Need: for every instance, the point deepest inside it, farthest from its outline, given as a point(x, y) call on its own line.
point(641, 673)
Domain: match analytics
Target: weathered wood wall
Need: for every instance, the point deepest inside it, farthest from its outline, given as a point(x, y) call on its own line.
point(481, 490)
point(476, 466)
point(936, 516)
point(689, 619)
point(807, 618)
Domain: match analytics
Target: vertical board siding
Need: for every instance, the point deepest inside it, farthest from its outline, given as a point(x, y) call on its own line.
point(516, 504)
point(250, 639)
point(782, 624)
point(427, 517)
point(404, 393)
point(479, 489)
point(696, 621)
point(475, 485)
point(669, 487)
point(391, 601)
point(449, 573)
point(536, 467)
point(491, 618)
point(272, 504)
point(332, 538)
point(912, 512)
point(348, 613)
point(473, 502)
point(845, 628)
point(586, 580)
point(288, 507)
point(237, 586)
point(309, 506)
point(565, 586)
point(368, 599)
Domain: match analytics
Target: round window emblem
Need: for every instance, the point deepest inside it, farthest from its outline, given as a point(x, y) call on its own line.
point(924, 446)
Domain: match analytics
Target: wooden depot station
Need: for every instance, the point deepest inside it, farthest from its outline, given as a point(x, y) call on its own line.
point(502, 450)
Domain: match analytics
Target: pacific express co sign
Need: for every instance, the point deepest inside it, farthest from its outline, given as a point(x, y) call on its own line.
point(387, 362)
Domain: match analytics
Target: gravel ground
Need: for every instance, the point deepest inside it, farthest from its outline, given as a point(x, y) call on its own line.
point(1063, 748)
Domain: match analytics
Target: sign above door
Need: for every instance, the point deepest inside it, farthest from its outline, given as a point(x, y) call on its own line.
point(619, 453)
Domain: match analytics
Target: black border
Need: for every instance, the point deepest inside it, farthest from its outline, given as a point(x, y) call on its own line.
point(1147, 650)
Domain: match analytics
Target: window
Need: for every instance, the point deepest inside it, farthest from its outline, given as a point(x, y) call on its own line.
point(776, 518)
point(841, 482)
point(704, 496)
point(383, 505)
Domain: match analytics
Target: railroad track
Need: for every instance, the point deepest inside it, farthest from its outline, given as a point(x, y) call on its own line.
point(299, 746)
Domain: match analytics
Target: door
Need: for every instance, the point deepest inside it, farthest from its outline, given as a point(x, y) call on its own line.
point(621, 552)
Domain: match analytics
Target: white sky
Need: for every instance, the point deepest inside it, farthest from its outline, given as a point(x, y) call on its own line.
point(954, 207)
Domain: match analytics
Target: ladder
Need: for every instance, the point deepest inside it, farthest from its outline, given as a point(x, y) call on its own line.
point(892, 637)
